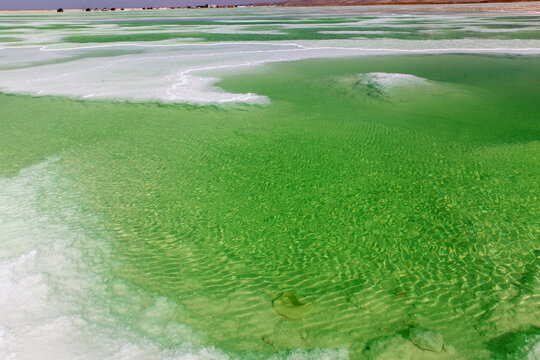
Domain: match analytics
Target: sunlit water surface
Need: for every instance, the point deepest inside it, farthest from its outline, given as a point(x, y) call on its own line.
point(269, 184)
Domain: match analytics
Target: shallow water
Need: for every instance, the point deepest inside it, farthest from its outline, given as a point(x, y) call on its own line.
point(317, 208)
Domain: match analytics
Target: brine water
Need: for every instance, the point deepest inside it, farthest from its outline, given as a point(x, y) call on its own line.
point(269, 184)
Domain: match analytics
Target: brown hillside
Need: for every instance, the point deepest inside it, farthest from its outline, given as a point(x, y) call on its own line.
point(395, 2)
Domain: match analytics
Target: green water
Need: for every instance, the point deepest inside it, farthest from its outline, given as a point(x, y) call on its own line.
point(383, 209)
point(298, 34)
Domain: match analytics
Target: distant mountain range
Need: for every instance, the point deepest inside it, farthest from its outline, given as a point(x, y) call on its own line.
point(385, 2)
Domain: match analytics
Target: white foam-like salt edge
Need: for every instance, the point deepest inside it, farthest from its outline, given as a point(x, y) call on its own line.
point(52, 300)
point(55, 297)
point(172, 72)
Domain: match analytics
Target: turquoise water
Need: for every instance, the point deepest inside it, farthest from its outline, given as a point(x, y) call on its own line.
point(199, 197)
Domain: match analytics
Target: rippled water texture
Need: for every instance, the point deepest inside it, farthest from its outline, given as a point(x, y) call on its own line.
point(269, 184)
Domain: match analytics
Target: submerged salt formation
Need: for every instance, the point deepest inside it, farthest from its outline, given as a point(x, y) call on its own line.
point(394, 347)
point(288, 306)
point(426, 339)
point(422, 344)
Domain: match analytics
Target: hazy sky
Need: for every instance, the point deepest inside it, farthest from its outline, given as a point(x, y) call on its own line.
point(80, 4)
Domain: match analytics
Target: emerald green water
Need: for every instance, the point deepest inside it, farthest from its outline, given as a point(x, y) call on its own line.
point(297, 34)
point(383, 208)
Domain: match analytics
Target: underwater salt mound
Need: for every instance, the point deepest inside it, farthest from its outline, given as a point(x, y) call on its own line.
point(288, 306)
point(388, 81)
point(375, 85)
point(422, 344)
point(389, 348)
point(426, 339)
